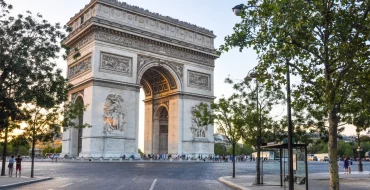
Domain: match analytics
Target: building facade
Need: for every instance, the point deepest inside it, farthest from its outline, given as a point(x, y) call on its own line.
point(125, 48)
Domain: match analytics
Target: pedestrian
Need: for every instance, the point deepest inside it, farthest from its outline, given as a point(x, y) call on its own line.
point(52, 157)
point(18, 165)
point(349, 165)
point(345, 165)
point(10, 165)
point(56, 157)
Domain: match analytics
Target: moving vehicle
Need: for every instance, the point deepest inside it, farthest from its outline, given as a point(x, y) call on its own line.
point(323, 157)
point(312, 158)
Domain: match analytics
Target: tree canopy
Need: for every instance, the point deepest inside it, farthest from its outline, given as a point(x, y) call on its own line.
point(325, 43)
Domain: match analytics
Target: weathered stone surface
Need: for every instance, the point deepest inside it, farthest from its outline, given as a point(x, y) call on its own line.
point(124, 48)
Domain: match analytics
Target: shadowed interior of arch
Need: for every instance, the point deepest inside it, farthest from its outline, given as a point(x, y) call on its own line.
point(157, 80)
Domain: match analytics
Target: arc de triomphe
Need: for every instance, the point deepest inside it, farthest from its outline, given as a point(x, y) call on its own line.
point(125, 48)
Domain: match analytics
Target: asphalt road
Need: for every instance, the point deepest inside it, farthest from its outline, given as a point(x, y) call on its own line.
point(137, 176)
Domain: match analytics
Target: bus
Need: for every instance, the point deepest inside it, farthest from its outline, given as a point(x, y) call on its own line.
point(367, 155)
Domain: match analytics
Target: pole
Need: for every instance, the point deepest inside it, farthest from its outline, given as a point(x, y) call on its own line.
point(360, 169)
point(306, 167)
point(4, 150)
point(281, 167)
point(258, 180)
point(290, 130)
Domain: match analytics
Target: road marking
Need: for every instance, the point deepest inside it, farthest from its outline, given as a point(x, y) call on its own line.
point(82, 180)
point(66, 185)
point(153, 184)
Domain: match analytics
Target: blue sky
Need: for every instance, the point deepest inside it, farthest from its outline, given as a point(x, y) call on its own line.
point(214, 15)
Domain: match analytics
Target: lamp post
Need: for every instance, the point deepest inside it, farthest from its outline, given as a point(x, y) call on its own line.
point(237, 11)
point(360, 169)
point(250, 76)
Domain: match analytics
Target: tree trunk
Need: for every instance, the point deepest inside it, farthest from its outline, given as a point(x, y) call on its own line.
point(33, 153)
point(333, 163)
point(5, 149)
point(234, 160)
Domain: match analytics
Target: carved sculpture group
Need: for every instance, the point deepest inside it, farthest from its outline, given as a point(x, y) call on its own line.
point(113, 114)
point(196, 128)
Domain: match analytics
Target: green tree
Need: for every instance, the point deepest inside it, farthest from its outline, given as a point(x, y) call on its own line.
point(18, 142)
point(220, 149)
point(246, 149)
point(345, 149)
point(141, 153)
point(58, 149)
point(324, 43)
point(45, 123)
point(224, 113)
point(46, 150)
point(28, 47)
point(256, 102)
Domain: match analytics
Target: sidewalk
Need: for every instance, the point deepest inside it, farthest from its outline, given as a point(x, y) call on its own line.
point(6, 182)
point(316, 181)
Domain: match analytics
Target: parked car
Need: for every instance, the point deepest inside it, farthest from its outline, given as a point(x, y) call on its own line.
point(312, 158)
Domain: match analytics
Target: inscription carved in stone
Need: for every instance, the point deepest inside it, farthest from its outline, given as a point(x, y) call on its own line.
point(199, 79)
point(82, 66)
point(116, 64)
point(113, 114)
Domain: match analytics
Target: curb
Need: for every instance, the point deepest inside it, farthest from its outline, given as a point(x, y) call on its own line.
point(25, 182)
point(222, 180)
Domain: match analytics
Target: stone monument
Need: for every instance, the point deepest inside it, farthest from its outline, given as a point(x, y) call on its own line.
point(125, 48)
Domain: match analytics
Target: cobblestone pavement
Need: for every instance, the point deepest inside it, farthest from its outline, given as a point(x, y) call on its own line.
point(136, 175)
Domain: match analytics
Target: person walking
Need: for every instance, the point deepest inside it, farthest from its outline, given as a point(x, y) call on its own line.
point(56, 157)
point(349, 164)
point(18, 166)
point(52, 157)
point(10, 166)
point(345, 165)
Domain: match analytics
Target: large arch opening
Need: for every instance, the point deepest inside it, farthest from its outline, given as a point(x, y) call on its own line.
point(158, 84)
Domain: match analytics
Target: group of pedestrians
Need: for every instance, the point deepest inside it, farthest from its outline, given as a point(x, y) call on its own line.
point(18, 167)
point(54, 156)
point(347, 165)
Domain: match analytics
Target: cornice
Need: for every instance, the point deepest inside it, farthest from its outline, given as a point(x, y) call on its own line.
point(124, 28)
point(139, 10)
point(98, 33)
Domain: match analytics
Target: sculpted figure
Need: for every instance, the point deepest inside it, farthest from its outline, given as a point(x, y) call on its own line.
point(196, 129)
point(113, 114)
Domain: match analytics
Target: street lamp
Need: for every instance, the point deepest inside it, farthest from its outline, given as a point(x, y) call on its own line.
point(252, 74)
point(237, 11)
point(360, 169)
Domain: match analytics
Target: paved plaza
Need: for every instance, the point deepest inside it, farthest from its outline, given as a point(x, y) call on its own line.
point(154, 175)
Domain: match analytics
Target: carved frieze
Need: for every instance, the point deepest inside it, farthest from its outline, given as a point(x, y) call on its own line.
point(199, 80)
point(115, 64)
point(114, 116)
point(152, 46)
point(81, 67)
